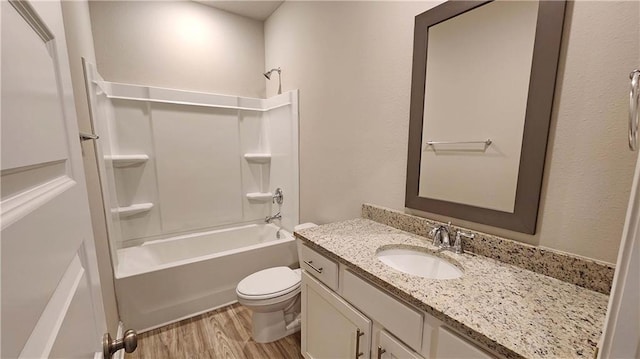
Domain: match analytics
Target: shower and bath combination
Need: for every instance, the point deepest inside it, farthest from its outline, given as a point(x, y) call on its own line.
point(165, 234)
point(268, 76)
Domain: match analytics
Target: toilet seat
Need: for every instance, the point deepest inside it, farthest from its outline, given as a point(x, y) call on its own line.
point(269, 283)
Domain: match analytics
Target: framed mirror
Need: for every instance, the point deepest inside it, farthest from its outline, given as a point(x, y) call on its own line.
point(482, 91)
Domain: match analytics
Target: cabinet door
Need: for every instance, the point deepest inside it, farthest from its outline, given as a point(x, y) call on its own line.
point(391, 348)
point(331, 328)
point(452, 346)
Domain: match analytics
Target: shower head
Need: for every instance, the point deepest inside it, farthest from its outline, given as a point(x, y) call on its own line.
point(268, 76)
point(268, 73)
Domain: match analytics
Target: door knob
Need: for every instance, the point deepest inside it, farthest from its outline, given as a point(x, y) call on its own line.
point(129, 343)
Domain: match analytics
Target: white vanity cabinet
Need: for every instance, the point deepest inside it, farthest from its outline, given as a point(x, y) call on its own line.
point(389, 347)
point(451, 346)
point(338, 305)
point(331, 328)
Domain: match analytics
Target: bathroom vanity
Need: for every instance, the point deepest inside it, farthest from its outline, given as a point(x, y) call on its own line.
point(344, 314)
point(355, 306)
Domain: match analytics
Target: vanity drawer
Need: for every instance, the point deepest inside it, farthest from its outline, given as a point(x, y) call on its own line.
point(319, 266)
point(398, 318)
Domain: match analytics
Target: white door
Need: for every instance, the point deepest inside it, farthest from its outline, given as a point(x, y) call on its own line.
point(51, 302)
point(621, 338)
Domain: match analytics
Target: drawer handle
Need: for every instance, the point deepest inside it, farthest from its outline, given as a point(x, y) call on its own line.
point(319, 270)
point(380, 352)
point(358, 335)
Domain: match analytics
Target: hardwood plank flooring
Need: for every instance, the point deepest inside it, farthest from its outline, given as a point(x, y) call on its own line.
point(221, 334)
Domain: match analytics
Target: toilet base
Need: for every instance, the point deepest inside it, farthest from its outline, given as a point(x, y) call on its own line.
point(269, 327)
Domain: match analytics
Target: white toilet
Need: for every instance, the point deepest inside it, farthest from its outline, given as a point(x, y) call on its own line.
point(273, 295)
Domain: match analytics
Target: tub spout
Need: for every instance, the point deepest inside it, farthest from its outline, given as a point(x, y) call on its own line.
point(270, 219)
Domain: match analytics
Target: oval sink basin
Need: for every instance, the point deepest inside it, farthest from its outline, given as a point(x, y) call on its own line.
point(419, 263)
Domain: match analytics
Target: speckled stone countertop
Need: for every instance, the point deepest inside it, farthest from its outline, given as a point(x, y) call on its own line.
point(512, 311)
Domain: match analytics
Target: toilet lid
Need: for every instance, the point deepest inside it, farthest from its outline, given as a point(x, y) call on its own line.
point(269, 282)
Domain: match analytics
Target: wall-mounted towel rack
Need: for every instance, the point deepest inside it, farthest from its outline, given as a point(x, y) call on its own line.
point(486, 143)
point(431, 143)
point(634, 104)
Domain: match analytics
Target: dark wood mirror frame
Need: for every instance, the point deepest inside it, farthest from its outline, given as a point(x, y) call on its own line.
point(546, 51)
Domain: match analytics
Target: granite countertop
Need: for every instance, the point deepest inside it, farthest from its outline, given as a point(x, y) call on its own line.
point(512, 311)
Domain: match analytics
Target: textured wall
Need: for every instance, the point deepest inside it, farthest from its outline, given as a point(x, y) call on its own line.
point(352, 64)
point(178, 44)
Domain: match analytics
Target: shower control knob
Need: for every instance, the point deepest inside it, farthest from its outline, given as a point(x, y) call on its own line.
point(279, 196)
point(129, 343)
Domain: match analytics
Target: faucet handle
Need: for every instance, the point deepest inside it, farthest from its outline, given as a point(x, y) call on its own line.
point(436, 234)
point(445, 232)
point(457, 245)
point(278, 197)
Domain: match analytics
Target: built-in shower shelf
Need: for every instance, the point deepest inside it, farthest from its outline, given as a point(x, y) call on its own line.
point(257, 157)
point(127, 160)
point(133, 209)
point(260, 196)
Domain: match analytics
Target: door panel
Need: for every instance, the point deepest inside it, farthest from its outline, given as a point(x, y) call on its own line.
point(329, 324)
point(30, 96)
point(72, 340)
point(36, 252)
point(47, 264)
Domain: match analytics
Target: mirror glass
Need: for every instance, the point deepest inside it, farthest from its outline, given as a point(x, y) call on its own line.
point(477, 82)
point(483, 81)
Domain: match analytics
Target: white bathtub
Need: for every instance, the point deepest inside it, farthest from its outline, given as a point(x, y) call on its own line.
point(167, 280)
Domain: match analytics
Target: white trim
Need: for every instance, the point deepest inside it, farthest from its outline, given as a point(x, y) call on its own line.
point(130, 92)
point(46, 330)
point(619, 331)
point(22, 204)
point(133, 209)
point(32, 18)
point(126, 160)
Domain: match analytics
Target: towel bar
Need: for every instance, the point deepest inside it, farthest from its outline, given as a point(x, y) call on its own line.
point(634, 99)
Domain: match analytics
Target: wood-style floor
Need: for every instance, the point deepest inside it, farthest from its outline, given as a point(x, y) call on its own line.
point(220, 334)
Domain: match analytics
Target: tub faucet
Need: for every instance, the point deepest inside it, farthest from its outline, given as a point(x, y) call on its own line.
point(270, 219)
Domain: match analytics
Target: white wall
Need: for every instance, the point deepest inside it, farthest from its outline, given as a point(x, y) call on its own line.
point(352, 64)
point(178, 44)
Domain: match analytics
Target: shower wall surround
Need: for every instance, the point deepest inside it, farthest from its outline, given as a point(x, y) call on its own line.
point(179, 161)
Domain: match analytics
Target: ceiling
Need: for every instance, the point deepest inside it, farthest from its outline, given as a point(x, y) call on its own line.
point(258, 10)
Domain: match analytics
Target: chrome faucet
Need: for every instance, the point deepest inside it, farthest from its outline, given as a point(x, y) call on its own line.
point(440, 235)
point(270, 219)
point(442, 238)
